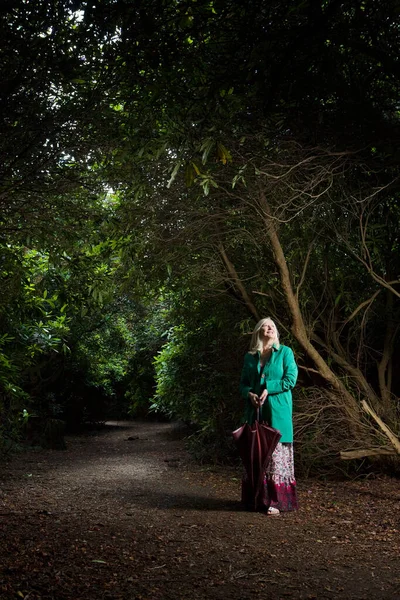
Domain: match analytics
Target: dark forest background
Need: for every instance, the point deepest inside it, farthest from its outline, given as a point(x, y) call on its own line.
point(172, 171)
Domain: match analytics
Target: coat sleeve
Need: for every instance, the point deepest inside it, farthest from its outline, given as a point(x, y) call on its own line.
point(245, 379)
point(288, 381)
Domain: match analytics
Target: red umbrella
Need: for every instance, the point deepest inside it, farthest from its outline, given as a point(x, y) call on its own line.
point(256, 444)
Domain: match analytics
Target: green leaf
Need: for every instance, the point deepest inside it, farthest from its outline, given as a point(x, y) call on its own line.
point(223, 154)
point(206, 148)
point(174, 174)
point(101, 562)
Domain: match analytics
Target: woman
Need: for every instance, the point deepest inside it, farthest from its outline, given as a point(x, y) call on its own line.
point(268, 376)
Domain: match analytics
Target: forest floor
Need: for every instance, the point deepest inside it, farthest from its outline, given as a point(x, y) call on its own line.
point(135, 519)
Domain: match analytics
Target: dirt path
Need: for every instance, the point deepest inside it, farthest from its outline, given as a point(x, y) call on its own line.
point(135, 520)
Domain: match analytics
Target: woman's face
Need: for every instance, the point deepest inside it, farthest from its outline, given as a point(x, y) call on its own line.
point(268, 330)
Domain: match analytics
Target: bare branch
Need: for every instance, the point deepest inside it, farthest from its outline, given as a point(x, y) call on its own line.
point(304, 270)
point(237, 281)
point(380, 451)
point(386, 430)
point(359, 307)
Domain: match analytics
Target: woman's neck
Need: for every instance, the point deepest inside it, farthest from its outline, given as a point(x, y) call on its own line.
point(267, 346)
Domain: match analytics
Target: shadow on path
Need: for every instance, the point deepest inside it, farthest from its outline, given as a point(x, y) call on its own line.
point(183, 501)
point(119, 519)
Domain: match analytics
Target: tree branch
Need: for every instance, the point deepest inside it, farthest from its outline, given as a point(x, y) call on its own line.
point(352, 454)
point(237, 281)
point(386, 430)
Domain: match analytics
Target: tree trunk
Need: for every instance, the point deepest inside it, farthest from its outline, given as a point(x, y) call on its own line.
point(383, 366)
point(299, 330)
point(346, 402)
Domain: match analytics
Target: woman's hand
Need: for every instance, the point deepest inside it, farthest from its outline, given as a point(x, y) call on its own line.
point(263, 397)
point(254, 399)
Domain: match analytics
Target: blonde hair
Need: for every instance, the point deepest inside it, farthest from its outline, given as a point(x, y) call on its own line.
point(256, 344)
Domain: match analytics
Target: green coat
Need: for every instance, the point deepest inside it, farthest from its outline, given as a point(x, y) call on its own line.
point(279, 376)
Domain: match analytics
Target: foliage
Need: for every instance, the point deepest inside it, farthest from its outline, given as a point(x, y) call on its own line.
point(196, 372)
point(158, 155)
point(296, 149)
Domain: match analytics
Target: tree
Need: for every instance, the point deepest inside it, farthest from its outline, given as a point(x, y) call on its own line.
point(285, 140)
point(252, 149)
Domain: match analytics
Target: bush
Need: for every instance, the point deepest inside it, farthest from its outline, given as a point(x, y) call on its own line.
point(197, 380)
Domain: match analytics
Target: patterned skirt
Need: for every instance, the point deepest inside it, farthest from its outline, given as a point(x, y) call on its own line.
point(280, 483)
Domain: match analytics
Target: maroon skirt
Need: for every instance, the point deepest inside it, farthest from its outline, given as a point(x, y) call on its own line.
point(280, 483)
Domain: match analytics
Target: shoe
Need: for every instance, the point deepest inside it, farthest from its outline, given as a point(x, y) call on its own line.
point(273, 511)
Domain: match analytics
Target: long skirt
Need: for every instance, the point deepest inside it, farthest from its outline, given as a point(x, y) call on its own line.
point(280, 482)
